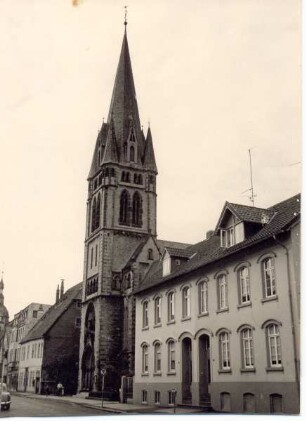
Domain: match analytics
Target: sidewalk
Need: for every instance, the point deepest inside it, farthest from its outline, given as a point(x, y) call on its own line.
point(110, 406)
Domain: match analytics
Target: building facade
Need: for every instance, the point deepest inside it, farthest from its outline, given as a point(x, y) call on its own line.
point(20, 326)
point(4, 333)
point(49, 352)
point(218, 325)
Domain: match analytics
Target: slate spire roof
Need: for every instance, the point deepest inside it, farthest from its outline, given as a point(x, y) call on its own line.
point(149, 156)
point(123, 122)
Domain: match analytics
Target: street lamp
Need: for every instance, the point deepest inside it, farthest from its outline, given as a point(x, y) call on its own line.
point(103, 373)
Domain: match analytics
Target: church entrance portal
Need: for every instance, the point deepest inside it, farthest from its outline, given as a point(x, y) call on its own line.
point(88, 367)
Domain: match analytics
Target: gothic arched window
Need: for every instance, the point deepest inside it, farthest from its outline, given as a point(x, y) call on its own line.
point(124, 208)
point(137, 210)
point(93, 215)
point(132, 154)
point(98, 212)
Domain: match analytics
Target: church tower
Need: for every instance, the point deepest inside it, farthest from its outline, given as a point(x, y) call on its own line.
point(121, 224)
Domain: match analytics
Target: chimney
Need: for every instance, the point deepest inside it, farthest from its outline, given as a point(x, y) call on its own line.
point(209, 234)
point(57, 295)
point(62, 290)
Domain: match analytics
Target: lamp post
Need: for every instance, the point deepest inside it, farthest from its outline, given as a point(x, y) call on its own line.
point(103, 373)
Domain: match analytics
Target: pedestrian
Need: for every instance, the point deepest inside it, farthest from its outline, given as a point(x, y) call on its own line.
point(60, 389)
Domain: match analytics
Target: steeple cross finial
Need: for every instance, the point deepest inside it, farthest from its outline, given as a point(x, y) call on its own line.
point(125, 16)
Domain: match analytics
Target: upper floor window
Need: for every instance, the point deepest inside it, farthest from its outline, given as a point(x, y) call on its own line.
point(132, 154)
point(224, 346)
point(247, 346)
point(222, 292)
point(145, 358)
point(269, 277)
point(157, 357)
point(171, 356)
point(186, 301)
point(95, 213)
point(244, 285)
point(274, 345)
point(203, 297)
point(157, 310)
point(145, 314)
point(150, 254)
point(170, 299)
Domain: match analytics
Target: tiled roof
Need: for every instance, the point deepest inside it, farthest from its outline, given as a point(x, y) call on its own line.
point(209, 251)
point(250, 213)
point(175, 252)
point(173, 244)
point(53, 314)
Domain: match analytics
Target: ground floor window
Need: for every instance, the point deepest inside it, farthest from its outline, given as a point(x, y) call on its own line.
point(157, 397)
point(225, 402)
point(248, 402)
point(171, 397)
point(276, 403)
point(144, 394)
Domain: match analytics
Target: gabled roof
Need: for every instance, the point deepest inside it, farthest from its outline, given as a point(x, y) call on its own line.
point(45, 323)
point(245, 213)
point(210, 251)
point(172, 244)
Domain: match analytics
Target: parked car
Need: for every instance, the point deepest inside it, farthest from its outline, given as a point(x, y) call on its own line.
point(5, 397)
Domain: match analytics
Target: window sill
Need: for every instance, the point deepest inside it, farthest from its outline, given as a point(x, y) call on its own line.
point(186, 318)
point(203, 314)
point(144, 374)
point(267, 299)
point(171, 373)
point(145, 328)
point(171, 322)
point(157, 374)
point(229, 371)
point(157, 325)
point(222, 310)
point(249, 304)
point(248, 370)
point(274, 369)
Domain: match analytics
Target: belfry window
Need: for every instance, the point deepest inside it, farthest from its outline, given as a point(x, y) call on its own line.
point(132, 154)
point(137, 210)
point(124, 208)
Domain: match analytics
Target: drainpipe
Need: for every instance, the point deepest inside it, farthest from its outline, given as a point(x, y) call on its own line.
point(291, 313)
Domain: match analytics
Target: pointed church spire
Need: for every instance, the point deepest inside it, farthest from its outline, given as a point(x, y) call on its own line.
point(124, 108)
point(111, 150)
point(149, 156)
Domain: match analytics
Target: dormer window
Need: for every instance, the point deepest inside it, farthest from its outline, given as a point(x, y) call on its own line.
point(227, 237)
point(166, 264)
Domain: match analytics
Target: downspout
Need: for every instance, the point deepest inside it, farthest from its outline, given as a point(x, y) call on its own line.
point(291, 314)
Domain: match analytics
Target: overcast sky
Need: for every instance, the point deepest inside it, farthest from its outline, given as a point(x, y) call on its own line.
point(213, 77)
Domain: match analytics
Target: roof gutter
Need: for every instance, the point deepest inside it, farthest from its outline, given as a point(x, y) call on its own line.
point(296, 362)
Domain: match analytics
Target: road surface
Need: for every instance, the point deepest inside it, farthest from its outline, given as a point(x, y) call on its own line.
point(31, 407)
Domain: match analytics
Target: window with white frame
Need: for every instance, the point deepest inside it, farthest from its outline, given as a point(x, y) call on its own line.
point(157, 357)
point(222, 292)
point(274, 346)
point(244, 285)
point(145, 314)
point(166, 265)
point(145, 358)
point(157, 310)
point(224, 346)
point(170, 306)
point(186, 302)
point(171, 356)
point(247, 345)
point(269, 277)
point(203, 297)
point(227, 237)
